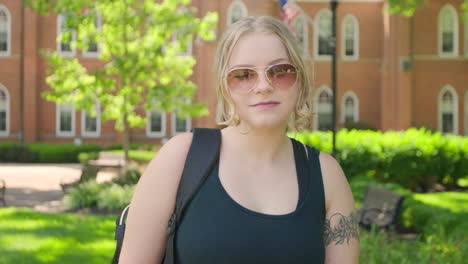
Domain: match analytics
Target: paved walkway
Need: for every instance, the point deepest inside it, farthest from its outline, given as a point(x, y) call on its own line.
point(38, 185)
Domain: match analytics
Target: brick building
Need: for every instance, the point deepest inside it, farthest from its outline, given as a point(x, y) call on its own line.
point(392, 72)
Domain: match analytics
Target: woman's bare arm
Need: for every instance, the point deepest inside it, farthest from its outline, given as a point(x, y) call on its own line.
point(153, 203)
point(341, 231)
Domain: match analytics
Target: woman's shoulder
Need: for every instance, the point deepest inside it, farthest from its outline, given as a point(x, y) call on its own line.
point(336, 186)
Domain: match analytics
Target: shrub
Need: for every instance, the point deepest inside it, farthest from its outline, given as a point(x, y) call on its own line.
point(91, 194)
point(12, 152)
point(85, 194)
point(115, 197)
point(131, 177)
point(416, 158)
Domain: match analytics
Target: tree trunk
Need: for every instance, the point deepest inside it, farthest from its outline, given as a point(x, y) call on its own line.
point(126, 142)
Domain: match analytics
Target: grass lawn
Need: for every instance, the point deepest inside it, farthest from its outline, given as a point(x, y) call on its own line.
point(31, 237)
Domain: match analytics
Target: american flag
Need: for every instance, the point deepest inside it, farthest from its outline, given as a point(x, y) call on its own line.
point(289, 10)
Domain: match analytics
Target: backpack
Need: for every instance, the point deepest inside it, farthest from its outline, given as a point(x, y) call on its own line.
point(202, 155)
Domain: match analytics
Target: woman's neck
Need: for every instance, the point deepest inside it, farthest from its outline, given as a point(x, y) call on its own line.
point(265, 146)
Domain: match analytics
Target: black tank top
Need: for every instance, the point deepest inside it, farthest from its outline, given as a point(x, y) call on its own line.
point(216, 229)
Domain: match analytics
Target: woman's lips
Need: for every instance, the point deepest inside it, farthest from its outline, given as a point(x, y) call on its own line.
point(265, 105)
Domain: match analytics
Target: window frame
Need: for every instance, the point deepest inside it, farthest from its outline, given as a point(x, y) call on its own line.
point(322, 88)
point(453, 12)
point(305, 33)
point(317, 56)
point(151, 134)
point(466, 113)
point(355, 22)
point(8, 14)
point(234, 4)
point(355, 107)
point(57, 121)
point(89, 134)
point(6, 132)
point(71, 53)
point(447, 88)
point(94, 54)
point(173, 124)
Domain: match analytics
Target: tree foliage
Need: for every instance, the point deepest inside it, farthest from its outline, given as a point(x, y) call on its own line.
point(141, 49)
point(409, 7)
point(141, 45)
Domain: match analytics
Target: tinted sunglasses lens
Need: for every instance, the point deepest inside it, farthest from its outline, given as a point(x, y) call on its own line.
point(241, 80)
point(282, 76)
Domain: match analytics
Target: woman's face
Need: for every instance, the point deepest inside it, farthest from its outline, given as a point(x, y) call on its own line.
point(268, 101)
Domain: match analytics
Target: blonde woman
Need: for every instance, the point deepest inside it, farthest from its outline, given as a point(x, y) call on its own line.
point(269, 199)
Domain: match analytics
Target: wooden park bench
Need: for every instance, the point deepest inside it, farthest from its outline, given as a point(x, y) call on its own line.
point(2, 192)
point(380, 208)
point(105, 160)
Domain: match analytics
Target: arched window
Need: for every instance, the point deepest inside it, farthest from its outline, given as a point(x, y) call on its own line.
point(4, 111)
point(350, 108)
point(5, 31)
point(65, 36)
point(350, 38)
point(322, 34)
point(300, 30)
point(448, 110)
point(323, 108)
point(236, 11)
point(448, 31)
point(91, 125)
point(65, 120)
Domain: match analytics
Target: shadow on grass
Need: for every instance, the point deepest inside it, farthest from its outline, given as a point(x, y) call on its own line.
point(32, 237)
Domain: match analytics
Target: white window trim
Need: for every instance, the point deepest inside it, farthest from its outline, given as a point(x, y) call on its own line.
point(57, 122)
point(315, 102)
point(189, 51)
point(89, 134)
point(305, 33)
point(466, 113)
point(94, 54)
point(356, 106)
point(449, 8)
point(173, 124)
point(232, 6)
point(8, 51)
point(356, 38)
point(152, 134)
point(6, 132)
point(71, 53)
point(450, 89)
point(316, 36)
point(466, 34)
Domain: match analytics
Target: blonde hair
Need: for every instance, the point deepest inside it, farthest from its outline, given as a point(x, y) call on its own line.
point(301, 117)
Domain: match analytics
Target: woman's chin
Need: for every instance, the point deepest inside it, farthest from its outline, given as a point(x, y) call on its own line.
point(267, 123)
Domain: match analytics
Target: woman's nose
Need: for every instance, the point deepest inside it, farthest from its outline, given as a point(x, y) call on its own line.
point(263, 85)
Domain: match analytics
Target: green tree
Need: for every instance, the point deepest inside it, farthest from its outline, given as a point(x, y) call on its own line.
point(140, 43)
point(409, 7)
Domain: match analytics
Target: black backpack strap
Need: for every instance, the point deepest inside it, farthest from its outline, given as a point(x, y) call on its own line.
point(202, 155)
point(119, 233)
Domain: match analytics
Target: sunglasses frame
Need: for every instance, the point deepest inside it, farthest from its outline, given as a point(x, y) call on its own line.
point(265, 69)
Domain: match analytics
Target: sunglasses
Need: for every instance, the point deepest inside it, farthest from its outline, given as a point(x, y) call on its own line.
point(279, 76)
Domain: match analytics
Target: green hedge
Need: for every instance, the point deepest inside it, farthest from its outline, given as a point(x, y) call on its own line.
point(412, 158)
point(62, 153)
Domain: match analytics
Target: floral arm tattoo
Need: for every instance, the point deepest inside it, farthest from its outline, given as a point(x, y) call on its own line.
point(344, 229)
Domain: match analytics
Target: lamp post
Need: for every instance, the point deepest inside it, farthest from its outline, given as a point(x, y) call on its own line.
point(333, 6)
